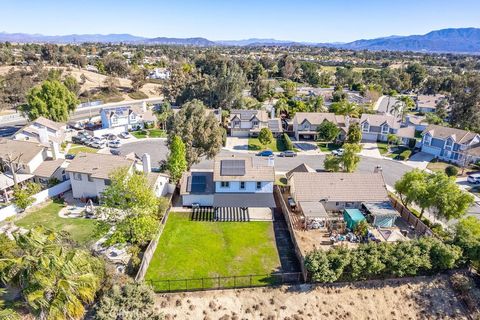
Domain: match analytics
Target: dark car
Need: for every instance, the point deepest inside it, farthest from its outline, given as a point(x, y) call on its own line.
point(265, 153)
point(69, 156)
point(115, 152)
point(288, 153)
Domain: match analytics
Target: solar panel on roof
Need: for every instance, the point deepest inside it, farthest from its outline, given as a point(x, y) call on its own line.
point(232, 167)
point(197, 183)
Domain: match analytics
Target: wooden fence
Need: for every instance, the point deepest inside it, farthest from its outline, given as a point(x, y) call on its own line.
point(420, 227)
point(152, 246)
point(283, 206)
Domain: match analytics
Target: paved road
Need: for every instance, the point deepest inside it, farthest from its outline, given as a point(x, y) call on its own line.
point(392, 170)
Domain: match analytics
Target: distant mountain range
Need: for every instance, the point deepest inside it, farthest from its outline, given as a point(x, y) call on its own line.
point(462, 40)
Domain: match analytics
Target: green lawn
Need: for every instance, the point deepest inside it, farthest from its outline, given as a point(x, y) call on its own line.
point(328, 147)
point(78, 148)
point(391, 152)
point(149, 133)
point(195, 249)
point(281, 180)
point(81, 230)
point(383, 148)
point(276, 145)
point(439, 166)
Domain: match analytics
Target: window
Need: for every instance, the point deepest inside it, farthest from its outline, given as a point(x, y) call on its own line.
point(427, 139)
point(449, 144)
point(77, 176)
point(259, 185)
point(236, 124)
point(108, 182)
point(255, 123)
point(114, 120)
point(385, 129)
point(90, 179)
point(242, 185)
point(365, 127)
point(225, 184)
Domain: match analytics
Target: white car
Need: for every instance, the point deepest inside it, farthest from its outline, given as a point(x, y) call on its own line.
point(474, 178)
point(114, 144)
point(125, 135)
point(338, 152)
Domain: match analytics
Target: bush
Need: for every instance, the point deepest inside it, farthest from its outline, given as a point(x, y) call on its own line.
point(427, 255)
point(287, 142)
point(405, 155)
point(451, 171)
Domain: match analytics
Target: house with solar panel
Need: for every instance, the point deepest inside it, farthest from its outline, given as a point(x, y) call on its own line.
point(248, 123)
point(237, 189)
point(126, 117)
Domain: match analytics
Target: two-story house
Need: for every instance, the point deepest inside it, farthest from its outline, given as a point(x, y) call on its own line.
point(42, 130)
point(236, 183)
point(377, 127)
point(127, 117)
point(90, 173)
point(451, 144)
point(428, 102)
point(248, 123)
point(305, 124)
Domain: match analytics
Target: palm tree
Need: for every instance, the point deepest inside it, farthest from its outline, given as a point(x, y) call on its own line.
point(55, 279)
point(403, 105)
point(349, 109)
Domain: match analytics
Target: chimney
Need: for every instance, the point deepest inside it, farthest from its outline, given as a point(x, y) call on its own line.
point(271, 161)
point(347, 121)
point(378, 169)
point(55, 150)
point(272, 112)
point(144, 106)
point(147, 164)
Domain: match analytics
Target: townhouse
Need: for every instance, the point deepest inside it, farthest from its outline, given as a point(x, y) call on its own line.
point(305, 124)
point(248, 123)
point(127, 117)
point(451, 144)
point(377, 127)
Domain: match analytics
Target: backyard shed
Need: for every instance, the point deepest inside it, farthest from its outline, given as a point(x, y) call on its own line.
point(383, 213)
point(352, 217)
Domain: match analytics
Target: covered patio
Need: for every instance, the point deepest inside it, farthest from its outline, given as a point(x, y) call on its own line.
point(315, 215)
point(381, 214)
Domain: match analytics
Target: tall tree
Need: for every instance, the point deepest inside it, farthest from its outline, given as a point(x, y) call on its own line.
point(198, 129)
point(51, 100)
point(354, 134)
point(327, 132)
point(467, 236)
point(265, 136)
point(350, 158)
point(177, 159)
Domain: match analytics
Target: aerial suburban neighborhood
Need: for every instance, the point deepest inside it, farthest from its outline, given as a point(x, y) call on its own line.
point(324, 177)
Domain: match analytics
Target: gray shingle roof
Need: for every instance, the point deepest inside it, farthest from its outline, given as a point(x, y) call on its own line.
point(26, 150)
point(316, 118)
point(98, 165)
point(377, 120)
point(300, 168)
point(460, 136)
point(342, 187)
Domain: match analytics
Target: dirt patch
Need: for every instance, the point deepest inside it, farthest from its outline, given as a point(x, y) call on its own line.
point(418, 298)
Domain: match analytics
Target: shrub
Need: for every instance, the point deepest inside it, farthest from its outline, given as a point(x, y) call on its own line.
point(405, 155)
point(424, 256)
point(287, 142)
point(451, 171)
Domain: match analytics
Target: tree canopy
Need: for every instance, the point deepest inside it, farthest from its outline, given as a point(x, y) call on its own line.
point(52, 100)
point(177, 159)
point(265, 136)
point(327, 131)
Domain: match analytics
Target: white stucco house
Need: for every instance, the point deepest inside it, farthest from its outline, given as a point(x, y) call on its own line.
point(236, 183)
point(127, 117)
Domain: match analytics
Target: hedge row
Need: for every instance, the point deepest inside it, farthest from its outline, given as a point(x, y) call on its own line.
point(427, 255)
point(287, 142)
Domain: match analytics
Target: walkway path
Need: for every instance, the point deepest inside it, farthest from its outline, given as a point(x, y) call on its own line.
point(285, 248)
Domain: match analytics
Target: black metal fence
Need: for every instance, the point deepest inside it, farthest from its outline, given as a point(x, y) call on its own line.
point(230, 282)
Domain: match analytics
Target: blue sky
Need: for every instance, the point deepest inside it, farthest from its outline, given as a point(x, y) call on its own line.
point(299, 20)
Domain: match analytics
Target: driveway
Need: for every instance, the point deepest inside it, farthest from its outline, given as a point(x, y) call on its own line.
point(370, 149)
point(419, 160)
point(236, 144)
point(156, 147)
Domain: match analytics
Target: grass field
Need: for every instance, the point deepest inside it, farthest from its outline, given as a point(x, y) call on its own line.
point(149, 133)
point(438, 166)
point(81, 230)
point(195, 249)
point(276, 145)
point(78, 148)
point(324, 147)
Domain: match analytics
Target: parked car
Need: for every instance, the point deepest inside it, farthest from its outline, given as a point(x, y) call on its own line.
point(69, 156)
point(114, 144)
point(125, 135)
point(78, 139)
point(115, 152)
point(111, 137)
point(98, 144)
point(288, 153)
point(338, 152)
point(265, 153)
point(474, 178)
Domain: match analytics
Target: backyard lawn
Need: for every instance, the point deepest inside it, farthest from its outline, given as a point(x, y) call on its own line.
point(324, 147)
point(81, 230)
point(276, 145)
point(391, 152)
point(195, 249)
point(78, 148)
